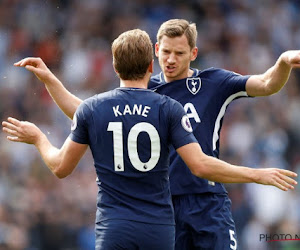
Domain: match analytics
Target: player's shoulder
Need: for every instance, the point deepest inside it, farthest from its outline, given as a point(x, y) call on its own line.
point(212, 71)
point(97, 99)
point(156, 78)
point(155, 81)
point(219, 75)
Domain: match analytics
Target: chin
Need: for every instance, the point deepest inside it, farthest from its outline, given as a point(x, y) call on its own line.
point(170, 74)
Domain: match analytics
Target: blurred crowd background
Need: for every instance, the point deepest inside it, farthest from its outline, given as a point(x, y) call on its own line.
point(73, 37)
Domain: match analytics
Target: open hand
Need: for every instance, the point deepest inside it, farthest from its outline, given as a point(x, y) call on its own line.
point(21, 131)
point(280, 178)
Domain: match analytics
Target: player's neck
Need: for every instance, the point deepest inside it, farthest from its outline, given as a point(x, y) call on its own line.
point(142, 84)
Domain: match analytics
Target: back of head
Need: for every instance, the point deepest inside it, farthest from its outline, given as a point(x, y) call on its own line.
point(176, 28)
point(132, 54)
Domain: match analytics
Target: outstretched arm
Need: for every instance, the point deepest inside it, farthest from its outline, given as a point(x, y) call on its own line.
point(66, 101)
point(214, 169)
point(274, 78)
point(61, 162)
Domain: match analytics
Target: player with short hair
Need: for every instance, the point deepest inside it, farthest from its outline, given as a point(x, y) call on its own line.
point(202, 208)
point(205, 96)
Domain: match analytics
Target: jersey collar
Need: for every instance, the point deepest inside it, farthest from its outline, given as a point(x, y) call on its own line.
point(135, 89)
point(195, 73)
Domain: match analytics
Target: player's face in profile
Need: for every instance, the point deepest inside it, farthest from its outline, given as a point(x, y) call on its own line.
point(174, 56)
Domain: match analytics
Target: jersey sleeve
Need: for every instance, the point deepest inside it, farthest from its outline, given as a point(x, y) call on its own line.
point(181, 131)
point(79, 128)
point(234, 82)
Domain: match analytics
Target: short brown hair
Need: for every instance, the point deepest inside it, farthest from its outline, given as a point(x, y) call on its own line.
point(132, 54)
point(178, 27)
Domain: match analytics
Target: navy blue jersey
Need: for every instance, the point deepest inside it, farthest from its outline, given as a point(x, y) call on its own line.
point(129, 132)
point(205, 97)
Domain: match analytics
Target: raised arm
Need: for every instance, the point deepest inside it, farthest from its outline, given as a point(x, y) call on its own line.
point(66, 101)
point(214, 169)
point(274, 78)
point(61, 161)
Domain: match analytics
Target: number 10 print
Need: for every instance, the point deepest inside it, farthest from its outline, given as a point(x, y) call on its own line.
point(116, 128)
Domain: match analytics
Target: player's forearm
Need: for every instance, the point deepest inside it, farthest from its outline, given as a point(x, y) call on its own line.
point(277, 76)
point(219, 171)
point(50, 154)
point(213, 169)
point(271, 81)
point(66, 101)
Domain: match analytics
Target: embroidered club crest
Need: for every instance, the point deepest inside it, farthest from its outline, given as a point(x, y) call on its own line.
point(193, 85)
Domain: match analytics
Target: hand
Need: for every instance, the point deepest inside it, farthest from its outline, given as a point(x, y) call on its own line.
point(20, 131)
point(277, 177)
point(291, 58)
point(37, 66)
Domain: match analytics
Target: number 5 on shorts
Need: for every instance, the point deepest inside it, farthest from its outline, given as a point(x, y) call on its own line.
point(234, 245)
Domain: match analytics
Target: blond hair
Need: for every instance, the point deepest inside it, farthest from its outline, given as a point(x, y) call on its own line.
point(132, 54)
point(178, 27)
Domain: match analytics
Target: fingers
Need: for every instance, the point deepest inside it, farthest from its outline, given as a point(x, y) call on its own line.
point(292, 58)
point(11, 124)
point(18, 63)
point(11, 128)
point(282, 187)
point(19, 131)
point(287, 179)
point(287, 173)
point(282, 184)
point(32, 69)
point(10, 131)
point(13, 138)
point(33, 61)
point(295, 59)
point(34, 65)
point(283, 181)
point(14, 121)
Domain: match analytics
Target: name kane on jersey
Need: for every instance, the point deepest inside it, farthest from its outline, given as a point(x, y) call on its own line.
point(135, 110)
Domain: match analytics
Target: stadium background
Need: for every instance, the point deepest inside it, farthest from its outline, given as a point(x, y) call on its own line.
point(38, 211)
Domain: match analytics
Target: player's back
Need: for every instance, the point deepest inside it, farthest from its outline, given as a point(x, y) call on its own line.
point(129, 133)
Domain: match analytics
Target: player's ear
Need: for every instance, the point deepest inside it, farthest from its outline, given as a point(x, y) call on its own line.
point(115, 68)
point(194, 54)
point(156, 49)
point(150, 68)
point(116, 71)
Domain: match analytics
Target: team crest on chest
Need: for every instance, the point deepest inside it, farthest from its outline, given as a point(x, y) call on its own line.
point(193, 85)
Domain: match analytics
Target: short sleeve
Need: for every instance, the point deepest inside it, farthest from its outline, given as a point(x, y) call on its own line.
point(79, 128)
point(234, 81)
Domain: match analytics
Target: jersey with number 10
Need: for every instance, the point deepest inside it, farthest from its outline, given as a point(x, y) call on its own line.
point(205, 97)
point(129, 132)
